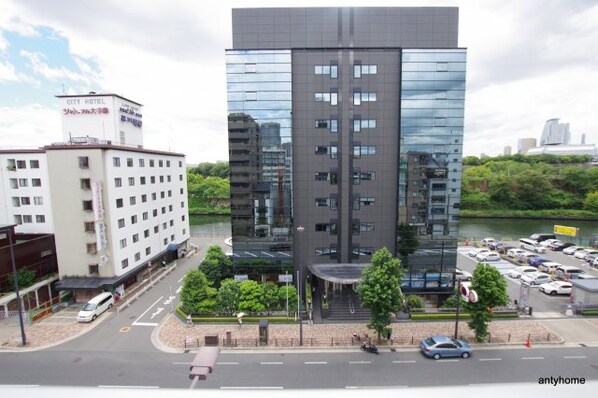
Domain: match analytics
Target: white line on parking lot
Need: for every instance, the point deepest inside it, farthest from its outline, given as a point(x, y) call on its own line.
point(359, 362)
point(316, 363)
point(532, 357)
point(490, 359)
point(576, 357)
point(403, 361)
point(271, 363)
point(227, 363)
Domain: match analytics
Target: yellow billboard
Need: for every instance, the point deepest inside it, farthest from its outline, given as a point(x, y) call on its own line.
point(562, 230)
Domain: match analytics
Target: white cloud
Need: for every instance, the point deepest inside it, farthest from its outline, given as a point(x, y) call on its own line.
point(29, 126)
point(8, 73)
point(43, 70)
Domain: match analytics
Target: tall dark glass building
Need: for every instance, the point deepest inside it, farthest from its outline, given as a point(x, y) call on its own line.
point(343, 124)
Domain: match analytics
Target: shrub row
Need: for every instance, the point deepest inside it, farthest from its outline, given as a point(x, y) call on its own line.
point(201, 318)
point(589, 312)
point(452, 316)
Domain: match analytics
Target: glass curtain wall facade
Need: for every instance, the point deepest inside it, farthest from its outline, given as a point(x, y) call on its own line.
point(432, 112)
point(260, 151)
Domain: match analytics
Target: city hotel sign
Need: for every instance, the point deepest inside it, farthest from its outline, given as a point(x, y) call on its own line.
point(91, 106)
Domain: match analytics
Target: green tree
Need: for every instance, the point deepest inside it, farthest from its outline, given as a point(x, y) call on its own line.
point(25, 277)
point(270, 296)
point(216, 265)
point(491, 288)
point(198, 295)
point(414, 302)
point(282, 298)
point(252, 297)
point(227, 300)
point(530, 187)
point(379, 290)
point(591, 201)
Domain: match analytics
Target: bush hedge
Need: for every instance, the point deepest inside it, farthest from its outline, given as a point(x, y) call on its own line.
point(210, 318)
point(589, 312)
point(451, 316)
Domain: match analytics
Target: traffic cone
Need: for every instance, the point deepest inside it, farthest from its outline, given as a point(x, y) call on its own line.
point(527, 343)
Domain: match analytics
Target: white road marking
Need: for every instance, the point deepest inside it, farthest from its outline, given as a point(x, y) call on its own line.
point(532, 357)
point(169, 300)
point(18, 385)
point(158, 310)
point(227, 363)
point(145, 324)
point(104, 386)
point(447, 360)
point(490, 359)
point(180, 280)
point(251, 254)
point(252, 388)
point(268, 254)
point(403, 361)
point(271, 363)
point(316, 363)
point(576, 357)
point(146, 311)
point(359, 362)
point(179, 289)
point(369, 387)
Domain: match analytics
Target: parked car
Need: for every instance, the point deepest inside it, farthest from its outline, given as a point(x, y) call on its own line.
point(96, 307)
point(518, 271)
point(462, 275)
point(475, 252)
point(595, 263)
point(443, 346)
point(280, 247)
point(541, 237)
point(524, 258)
point(572, 250)
point(548, 267)
point(492, 245)
point(503, 247)
point(488, 256)
point(535, 278)
point(566, 272)
point(548, 242)
point(556, 287)
point(592, 254)
point(536, 261)
point(485, 241)
point(514, 252)
point(560, 246)
point(583, 276)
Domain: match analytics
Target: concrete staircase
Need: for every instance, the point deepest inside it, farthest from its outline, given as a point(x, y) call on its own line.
point(346, 307)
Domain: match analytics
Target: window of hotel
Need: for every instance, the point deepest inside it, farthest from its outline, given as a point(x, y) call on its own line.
point(21, 164)
point(134, 219)
point(155, 213)
point(148, 251)
point(116, 162)
point(164, 225)
point(123, 243)
point(165, 241)
point(144, 198)
point(145, 215)
point(153, 179)
point(23, 182)
point(125, 263)
point(118, 182)
point(16, 201)
point(89, 226)
point(92, 248)
point(161, 178)
point(121, 223)
point(168, 163)
point(142, 180)
point(360, 150)
point(36, 182)
point(162, 194)
point(40, 218)
point(169, 193)
point(359, 70)
point(14, 184)
point(171, 223)
point(146, 233)
point(151, 162)
point(160, 163)
point(94, 269)
point(182, 205)
point(137, 256)
point(85, 183)
point(331, 70)
point(156, 229)
point(131, 181)
point(83, 162)
point(180, 163)
point(34, 164)
point(129, 162)
point(359, 97)
point(163, 209)
point(168, 178)
point(132, 200)
point(87, 205)
point(119, 203)
point(327, 97)
point(18, 219)
point(25, 200)
point(141, 162)
point(135, 238)
point(169, 207)
point(27, 219)
point(359, 124)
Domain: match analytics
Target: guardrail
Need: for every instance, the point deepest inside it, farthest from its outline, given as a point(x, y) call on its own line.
point(150, 283)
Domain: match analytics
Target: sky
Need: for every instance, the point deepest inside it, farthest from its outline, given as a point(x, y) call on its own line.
point(528, 61)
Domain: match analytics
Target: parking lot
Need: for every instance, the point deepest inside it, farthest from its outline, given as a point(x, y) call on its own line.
point(543, 305)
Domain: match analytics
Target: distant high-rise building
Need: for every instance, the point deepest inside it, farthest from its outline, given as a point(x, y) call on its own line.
point(555, 133)
point(507, 150)
point(323, 168)
point(525, 144)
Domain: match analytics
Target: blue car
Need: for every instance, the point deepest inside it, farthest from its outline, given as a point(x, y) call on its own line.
point(443, 346)
point(536, 261)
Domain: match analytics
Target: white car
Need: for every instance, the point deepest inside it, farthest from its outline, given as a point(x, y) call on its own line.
point(582, 253)
point(485, 241)
point(535, 278)
point(513, 253)
point(475, 252)
point(518, 271)
point(595, 263)
point(584, 276)
point(547, 242)
point(462, 275)
point(488, 256)
point(572, 249)
point(556, 287)
point(548, 267)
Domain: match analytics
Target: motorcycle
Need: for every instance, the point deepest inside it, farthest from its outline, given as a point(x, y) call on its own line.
point(369, 347)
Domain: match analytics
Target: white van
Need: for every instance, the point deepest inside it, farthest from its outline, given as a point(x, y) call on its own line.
point(531, 245)
point(95, 307)
point(548, 267)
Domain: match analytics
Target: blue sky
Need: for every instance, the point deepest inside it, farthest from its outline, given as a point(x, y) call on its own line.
point(528, 61)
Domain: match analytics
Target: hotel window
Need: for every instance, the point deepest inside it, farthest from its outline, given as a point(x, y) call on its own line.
point(119, 203)
point(14, 184)
point(27, 219)
point(23, 182)
point(36, 182)
point(89, 226)
point(331, 97)
point(141, 162)
point(155, 213)
point(148, 251)
point(359, 97)
point(116, 162)
point(134, 219)
point(34, 164)
point(25, 200)
point(162, 195)
point(165, 241)
point(153, 179)
point(360, 150)
point(87, 205)
point(180, 163)
point(85, 184)
point(167, 178)
point(182, 205)
point(145, 215)
point(151, 162)
point(137, 256)
point(83, 162)
point(92, 248)
point(331, 70)
point(118, 182)
point(171, 223)
point(129, 162)
point(123, 243)
point(135, 238)
point(121, 223)
point(161, 178)
point(144, 198)
point(146, 233)
point(142, 180)
point(359, 70)
point(156, 229)
point(94, 269)
point(125, 263)
point(163, 209)
point(160, 163)
point(132, 200)
point(168, 163)
point(359, 124)
point(131, 181)
point(18, 219)
point(16, 201)
point(40, 218)
point(21, 164)
point(169, 207)
point(169, 193)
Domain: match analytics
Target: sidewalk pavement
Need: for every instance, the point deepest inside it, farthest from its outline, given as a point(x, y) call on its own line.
point(171, 334)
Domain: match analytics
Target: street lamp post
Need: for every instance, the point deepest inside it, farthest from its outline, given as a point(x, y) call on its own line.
point(287, 283)
point(14, 272)
point(300, 230)
point(458, 307)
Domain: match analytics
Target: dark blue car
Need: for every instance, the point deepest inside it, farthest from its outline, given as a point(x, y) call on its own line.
point(443, 346)
point(536, 261)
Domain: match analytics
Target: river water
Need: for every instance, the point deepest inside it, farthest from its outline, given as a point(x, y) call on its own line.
point(469, 228)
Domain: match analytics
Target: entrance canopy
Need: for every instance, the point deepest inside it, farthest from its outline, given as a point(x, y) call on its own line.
point(345, 273)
